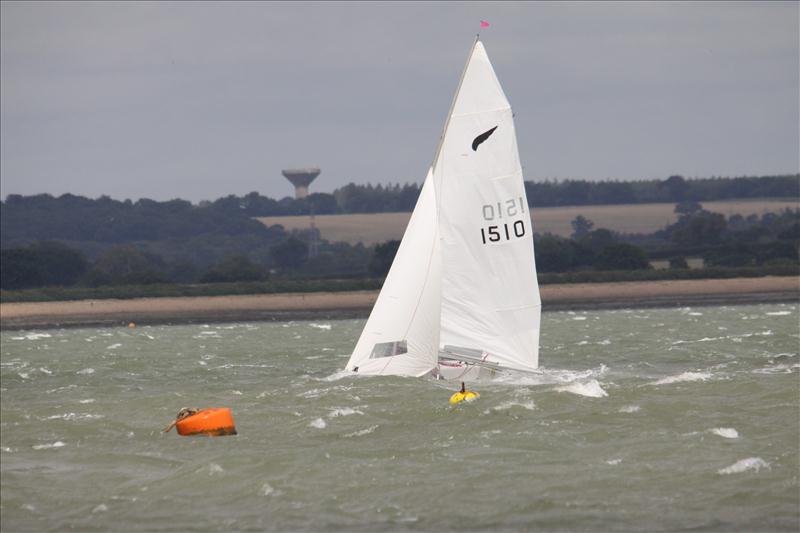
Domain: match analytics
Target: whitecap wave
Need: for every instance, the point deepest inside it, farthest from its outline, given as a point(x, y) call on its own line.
point(266, 489)
point(336, 376)
point(704, 339)
point(779, 313)
point(530, 406)
point(71, 417)
point(318, 423)
point(728, 433)
point(777, 369)
point(684, 377)
point(549, 376)
point(745, 465)
point(591, 389)
point(325, 327)
point(361, 432)
point(629, 409)
point(61, 389)
point(33, 336)
point(344, 411)
point(313, 393)
point(56, 444)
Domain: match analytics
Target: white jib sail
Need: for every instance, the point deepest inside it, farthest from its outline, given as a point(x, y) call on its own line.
point(401, 336)
point(490, 297)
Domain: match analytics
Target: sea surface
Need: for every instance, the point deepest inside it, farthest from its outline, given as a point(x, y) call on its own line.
point(648, 420)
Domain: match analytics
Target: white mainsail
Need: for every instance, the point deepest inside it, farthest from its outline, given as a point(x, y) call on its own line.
point(490, 297)
point(464, 275)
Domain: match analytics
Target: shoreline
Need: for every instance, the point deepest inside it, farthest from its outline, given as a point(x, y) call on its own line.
point(357, 304)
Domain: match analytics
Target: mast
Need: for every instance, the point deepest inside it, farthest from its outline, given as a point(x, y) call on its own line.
point(453, 103)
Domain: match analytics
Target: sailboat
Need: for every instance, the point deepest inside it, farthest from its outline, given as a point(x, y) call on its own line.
point(461, 299)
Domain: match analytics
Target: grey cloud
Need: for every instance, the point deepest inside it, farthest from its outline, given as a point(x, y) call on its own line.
point(199, 100)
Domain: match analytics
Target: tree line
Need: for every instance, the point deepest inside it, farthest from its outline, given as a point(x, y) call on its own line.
point(111, 242)
point(772, 239)
point(71, 217)
point(370, 198)
point(76, 241)
point(735, 241)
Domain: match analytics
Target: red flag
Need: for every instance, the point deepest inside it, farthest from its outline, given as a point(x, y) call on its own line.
point(484, 24)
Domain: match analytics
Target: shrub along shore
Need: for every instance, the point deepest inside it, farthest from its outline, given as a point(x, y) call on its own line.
point(277, 286)
point(357, 303)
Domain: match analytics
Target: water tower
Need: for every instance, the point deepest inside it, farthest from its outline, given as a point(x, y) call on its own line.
point(301, 178)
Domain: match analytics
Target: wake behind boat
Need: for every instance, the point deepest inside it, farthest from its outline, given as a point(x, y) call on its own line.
point(461, 299)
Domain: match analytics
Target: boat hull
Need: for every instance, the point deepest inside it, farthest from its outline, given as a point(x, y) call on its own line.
point(459, 371)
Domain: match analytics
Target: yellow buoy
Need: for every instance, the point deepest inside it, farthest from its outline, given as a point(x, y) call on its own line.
point(463, 395)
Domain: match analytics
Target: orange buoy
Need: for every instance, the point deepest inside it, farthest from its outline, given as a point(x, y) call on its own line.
point(214, 422)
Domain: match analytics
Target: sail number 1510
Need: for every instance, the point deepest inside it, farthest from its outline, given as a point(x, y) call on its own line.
point(503, 229)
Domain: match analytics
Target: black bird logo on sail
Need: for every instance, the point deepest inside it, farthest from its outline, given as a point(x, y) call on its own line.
point(482, 137)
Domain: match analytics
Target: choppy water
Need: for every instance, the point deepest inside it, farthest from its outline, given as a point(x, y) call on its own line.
point(643, 420)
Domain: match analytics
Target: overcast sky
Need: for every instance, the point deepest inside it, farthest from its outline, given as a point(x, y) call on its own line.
point(201, 100)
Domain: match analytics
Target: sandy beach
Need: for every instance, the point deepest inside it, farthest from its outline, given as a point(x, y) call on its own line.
point(358, 303)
